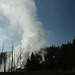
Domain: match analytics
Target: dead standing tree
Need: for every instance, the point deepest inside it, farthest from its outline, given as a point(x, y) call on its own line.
point(3, 58)
point(9, 63)
point(19, 58)
point(12, 60)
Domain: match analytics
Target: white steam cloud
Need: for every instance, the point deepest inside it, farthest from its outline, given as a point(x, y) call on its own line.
point(20, 22)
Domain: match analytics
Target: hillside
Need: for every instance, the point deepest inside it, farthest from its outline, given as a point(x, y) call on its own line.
point(60, 59)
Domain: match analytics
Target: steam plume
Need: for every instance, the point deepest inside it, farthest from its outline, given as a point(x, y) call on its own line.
point(22, 24)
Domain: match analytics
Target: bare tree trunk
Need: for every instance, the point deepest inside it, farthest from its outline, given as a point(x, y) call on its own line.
point(2, 57)
point(5, 63)
point(12, 60)
point(20, 58)
point(1, 54)
point(3, 47)
point(9, 62)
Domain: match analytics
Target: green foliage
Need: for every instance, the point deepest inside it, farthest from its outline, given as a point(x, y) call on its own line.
point(62, 57)
point(33, 63)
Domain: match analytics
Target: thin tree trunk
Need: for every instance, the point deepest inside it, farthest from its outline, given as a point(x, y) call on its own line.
point(20, 58)
point(9, 62)
point(5, 62)
point(3, 58)
point(12, 60)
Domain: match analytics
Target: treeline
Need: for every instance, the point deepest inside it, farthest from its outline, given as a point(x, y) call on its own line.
point(49, 58)
point(61, 57)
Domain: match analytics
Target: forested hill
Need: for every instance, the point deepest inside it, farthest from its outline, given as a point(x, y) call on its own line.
point(50, 58)
point(61, 57)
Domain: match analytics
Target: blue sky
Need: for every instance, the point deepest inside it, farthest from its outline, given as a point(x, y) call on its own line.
point(58, 18)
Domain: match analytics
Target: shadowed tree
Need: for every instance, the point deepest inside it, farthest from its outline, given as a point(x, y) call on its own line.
point(33, 63)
